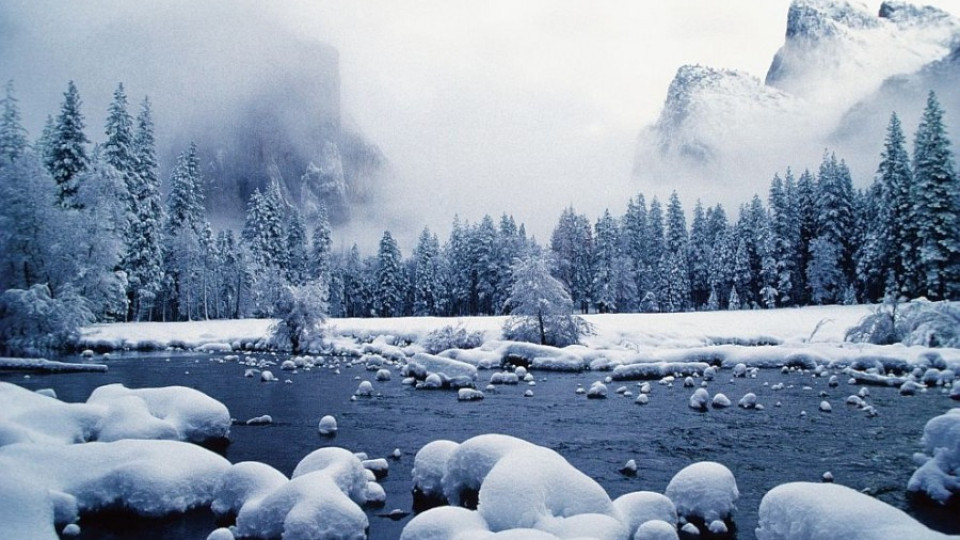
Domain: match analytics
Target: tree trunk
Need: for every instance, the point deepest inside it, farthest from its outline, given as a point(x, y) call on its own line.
point(543, 333)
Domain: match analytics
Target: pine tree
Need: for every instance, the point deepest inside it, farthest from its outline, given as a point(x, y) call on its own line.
point(784, 232)
point(540, 307)
point(634, 233)
point(807, 225)
point(13, 136)
point(118, 150)
point(836, 213)
point(321, 250)
point(936, 206)
point(606, 254)
point(296, 247)
point(572, 247)
point(484, 271)
point(390, 280)
point(144, 258)
point(701, 251)
point(183, 232)
point(67, 153)
point(426, 289)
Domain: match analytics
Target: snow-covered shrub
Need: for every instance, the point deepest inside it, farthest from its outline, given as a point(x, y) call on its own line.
point(930, 324)
point(33, 319)
point(541, 309)
point(451, 337)
point(302, 311)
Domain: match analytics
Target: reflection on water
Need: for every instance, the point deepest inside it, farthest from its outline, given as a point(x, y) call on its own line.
point(762, 448)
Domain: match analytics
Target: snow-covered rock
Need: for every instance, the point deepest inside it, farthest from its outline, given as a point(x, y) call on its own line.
point(656, 529)
point(699, 399)
point(638, 507)
point(469, 394)
point(430, 465)
point(364, 389)
point(721, 401)
point(244, 481)
point(597, 390)
point(327, 425)
point(748, 401)
point(938, 474)
point(812, 511)
point(705, 489)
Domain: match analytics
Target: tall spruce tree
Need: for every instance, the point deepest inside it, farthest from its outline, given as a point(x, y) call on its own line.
point(67, 156)
point(427, 295)
point(13, 136)
point(936, 206)
point(321, 248)
point(144, 257)
point(390, 279)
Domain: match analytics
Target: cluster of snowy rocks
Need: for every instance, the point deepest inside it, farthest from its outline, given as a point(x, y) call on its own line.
point(527, 491)
point(132, 450)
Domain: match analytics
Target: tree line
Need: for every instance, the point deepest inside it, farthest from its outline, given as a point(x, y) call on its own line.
point(88, 232)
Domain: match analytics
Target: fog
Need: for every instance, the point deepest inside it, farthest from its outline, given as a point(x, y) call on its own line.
point(480, 107)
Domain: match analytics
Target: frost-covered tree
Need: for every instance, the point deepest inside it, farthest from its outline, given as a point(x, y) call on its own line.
point(297, 271)
point(540, 307)
point(836, 212)
point(784, 235)
point(807, 224)
point(143, 260)
point(456, 275)
point(321, 247)
point(118, 150)
point(733, 302)
point(936, 206)
point(301, 311)
point(572, 245)
point(484, 267)
point(427, 293)
point(13, 136)
point(634, 235)
point(34, 319)
point(654, 248)
point(605, 261)
point(183, 247)
point(390, 286)
point(824, 272)
point(699, 253)
point(67, 147)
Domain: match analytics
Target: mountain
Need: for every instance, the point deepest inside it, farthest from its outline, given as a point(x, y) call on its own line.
point(725, 133)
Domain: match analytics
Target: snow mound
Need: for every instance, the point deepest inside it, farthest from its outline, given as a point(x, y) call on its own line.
point(195, 416)
point(811, 511)
point(534, 487)
point(422, 364)
point(656, 530)
point(445, 523)
point(706, 490)
point(245, 481)
point(639, 507)
point(468, 464)
point(112, 412)
point(429, 466)
point(939, 473)
point(44, 482)
point(320, 502)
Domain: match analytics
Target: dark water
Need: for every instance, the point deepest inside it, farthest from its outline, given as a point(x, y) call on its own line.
point(762, 448)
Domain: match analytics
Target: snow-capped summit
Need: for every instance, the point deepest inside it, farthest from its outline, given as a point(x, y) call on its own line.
point(836, 52)
point(720, 127)
point(694, 121)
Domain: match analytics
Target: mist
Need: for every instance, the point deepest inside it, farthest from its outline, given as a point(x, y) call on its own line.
point(479, 108)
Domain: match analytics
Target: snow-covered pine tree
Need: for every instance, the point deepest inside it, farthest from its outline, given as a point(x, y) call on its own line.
point(13, 136)
point(836, 213)
point(606, 246)
point(824, 272)
point(321, 248)
point(893, 229)
point(426, 275)
point(143, 260)
point(67, 148)
point(936, 206)
point(807, 224)
point(700, 253)
point(43, 146)
point(297, 268)
point(673, 268)
point(733, 302)
point(455, 273)
point(653, 251)
point(784, 232)
point(390, 289)
point(634, 233)
point(572, 247)
point(484, 271)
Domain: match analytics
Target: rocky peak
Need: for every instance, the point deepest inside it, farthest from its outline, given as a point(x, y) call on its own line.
point(819, 19)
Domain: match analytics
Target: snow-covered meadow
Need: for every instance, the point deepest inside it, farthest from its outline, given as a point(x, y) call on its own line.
point(531, 460)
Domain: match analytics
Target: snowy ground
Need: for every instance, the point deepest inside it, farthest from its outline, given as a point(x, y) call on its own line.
point(69, 458)
point(612, 330)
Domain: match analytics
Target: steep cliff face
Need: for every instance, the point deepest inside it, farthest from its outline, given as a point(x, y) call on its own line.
point(289, 130)
point(719, 129)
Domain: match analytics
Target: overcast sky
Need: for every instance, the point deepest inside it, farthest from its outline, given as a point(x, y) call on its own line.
point(481, 107)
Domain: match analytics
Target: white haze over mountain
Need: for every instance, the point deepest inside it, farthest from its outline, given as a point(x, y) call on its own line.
point(517, 107)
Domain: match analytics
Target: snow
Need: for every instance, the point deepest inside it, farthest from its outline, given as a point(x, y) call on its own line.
point(656, 530)
point(639, 507)
point(46, 366)
point(706, 490)
point(938, 474)
point(721, 401)
point(327, 425)
point(699, 399)
point(150, 478)
point(245, 481)
point(812, 511)
point(430, 465)
point(111, 412)
point(468, 464)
